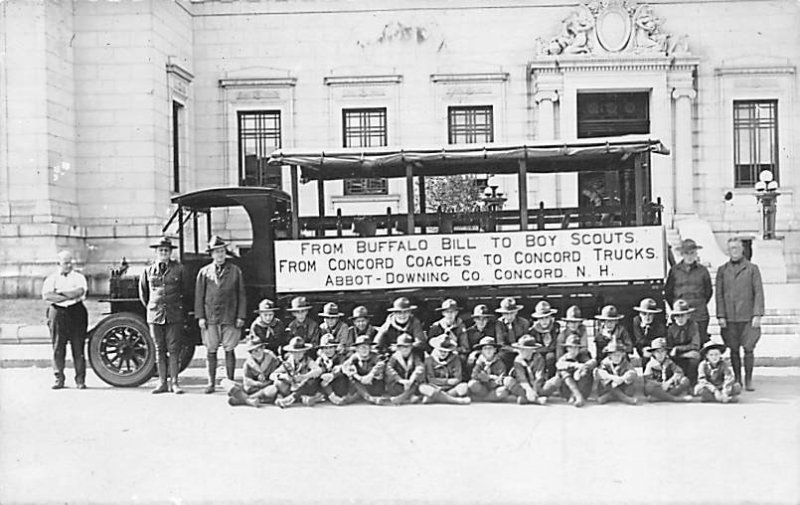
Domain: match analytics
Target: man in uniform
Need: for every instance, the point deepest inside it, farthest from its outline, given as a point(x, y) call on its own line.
point(67, 318)
point(220, 307)
point(161, 292)
point(690, 281)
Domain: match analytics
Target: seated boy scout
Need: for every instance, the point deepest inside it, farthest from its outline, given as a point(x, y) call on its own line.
point(451, 325)
point(361, 325)
point(365, 371)
point(576, 371)
point(611, 330)
point(443, 380)
point(616, 376)
point(267, 328)
point(646, 327)
point(573, 325)
point(508, 328)
point(716, 381)
point(257, 387)
point(303, 326)
point(479, 328)
point(488, 374)
point(527, 382)
point(401, 320)
point(332, 381)
point(333, 324)
point(683, 340)
point(297, 377)
point(404, 372)
point(545, 330)
point(663, 379)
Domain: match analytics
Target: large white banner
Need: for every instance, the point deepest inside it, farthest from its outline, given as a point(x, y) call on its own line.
point(470, 259)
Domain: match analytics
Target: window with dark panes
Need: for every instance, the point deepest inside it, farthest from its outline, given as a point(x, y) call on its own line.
point(177, 132)
point(259, 135)
point(470, 125)
point(755, 140)
point(364, 128)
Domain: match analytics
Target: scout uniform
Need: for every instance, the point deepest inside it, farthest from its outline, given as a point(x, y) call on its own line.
point(684, 341)
point(404, 374)
point(257, 386)
point(646, 327)
point(480, 328)
point(220, 306)
point(455, 329)
point(272, 334)
point(618, 334)
point(443, 380)
point(530, 370)
point(339, 330)
point(332, 381)
point(365, 374)
point(664, 380)
point(716, 381)
point(575, 372)
point(161, 292)
point(297, 378)
point(488, 374)
point(615, 381)
point(393, 328)
point(509, 328)
point(545, 331)
point(573, 325)
point(307, 329)
point(353, 332)
point(691, 282)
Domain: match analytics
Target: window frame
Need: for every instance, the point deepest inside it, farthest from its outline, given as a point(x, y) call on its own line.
point(372, 186)
point(467, 109)
point(178, 111)
point(242, 171)
point(752, 128)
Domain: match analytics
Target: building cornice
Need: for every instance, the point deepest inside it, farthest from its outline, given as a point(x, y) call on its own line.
point(258, 82)
point(180, 71)
point(750, 70)
point(360, 80)
point(638, 63)
point(470, 77)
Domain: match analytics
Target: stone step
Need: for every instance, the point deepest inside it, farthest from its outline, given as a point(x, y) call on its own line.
point(770, 329)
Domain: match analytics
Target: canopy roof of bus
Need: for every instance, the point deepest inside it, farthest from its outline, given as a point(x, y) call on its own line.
point(542, 156)
point(228, 197)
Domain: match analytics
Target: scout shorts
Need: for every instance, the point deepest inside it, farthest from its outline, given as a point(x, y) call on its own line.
point(227, 334)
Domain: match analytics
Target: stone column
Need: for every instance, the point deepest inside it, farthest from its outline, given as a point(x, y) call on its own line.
point(546, 126)
point(684, 168)
point(544, 187)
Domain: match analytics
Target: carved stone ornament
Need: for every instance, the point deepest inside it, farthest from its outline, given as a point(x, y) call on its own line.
point(610, 27)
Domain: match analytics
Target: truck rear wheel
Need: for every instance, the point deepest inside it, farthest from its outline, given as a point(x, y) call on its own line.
point(121, 350)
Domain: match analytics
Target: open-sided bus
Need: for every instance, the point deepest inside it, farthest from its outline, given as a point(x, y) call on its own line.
point(604, 250)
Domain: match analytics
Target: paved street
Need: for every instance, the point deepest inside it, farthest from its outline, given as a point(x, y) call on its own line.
point(125, 445)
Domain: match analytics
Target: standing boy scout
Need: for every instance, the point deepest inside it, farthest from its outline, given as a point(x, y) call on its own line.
point(545, 330)
point(404, 372)
point(663, 379)
point(332, 323)
point(220, 307)
point(715, 379)
point(683, 340)
point(257, 386)
point(646, 327)
point(616, 377)
point(444, 381)
point(509, 328)
point(690, 281)
point(297, 376)
point(161, 292)
point(488, 374)
point(267, 328)
point(576, 371)
point(303, 326)
point(527, 382)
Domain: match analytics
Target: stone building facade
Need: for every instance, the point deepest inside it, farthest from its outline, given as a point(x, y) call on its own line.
point(107, 109)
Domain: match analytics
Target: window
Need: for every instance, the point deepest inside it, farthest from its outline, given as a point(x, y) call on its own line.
point(608, 114)
point(177, 128)
point(755, 140)
point(364, 128)
point(470, 125)
point(259, 135)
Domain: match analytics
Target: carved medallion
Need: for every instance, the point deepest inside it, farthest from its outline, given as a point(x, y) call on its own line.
point(613, 29)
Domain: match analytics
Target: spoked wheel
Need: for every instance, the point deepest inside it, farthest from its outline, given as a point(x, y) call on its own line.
point(121, 350)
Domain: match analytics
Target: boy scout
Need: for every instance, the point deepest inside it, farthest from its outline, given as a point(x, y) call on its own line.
point(257, 387)
point(573, 325)
point(615, 376)
point(716, 382)
point(404, 372)
point(683, 340)
point(488, 374)
point(576, 371)
point(451, 325)
point(646, 327)
point(267, 328)
point(365, 371)
point(362, 325)
point(297, 377)
point(663, 379)
point(479, 328)
point(545, 330)
point(161, 292)
point(509, 328)
point(611, 330)
point(401, 320)
point(303, 326)
point(332, 381)
point(443, 380)
point(527, 382)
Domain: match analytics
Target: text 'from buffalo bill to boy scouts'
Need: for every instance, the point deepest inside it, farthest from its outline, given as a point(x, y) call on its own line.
point(525, 257)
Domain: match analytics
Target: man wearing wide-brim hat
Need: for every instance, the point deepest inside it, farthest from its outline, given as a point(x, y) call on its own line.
point(220, 306)
point(690, 281)
point(161, 292)
point(647, 325)
point(443, 382)
point(452, 325)
point(402, 320)
point(509, 328)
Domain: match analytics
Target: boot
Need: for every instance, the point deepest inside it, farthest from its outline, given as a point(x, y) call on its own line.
point(624, 398)
point(173, 371)
point(175, 387)
point(163, 387)
point(577, 396)
point(736, 364)
point(237, 396)
point(212, 373)
point(453, 400)
point(749, 361)
point(230, 364)
point(286, 401)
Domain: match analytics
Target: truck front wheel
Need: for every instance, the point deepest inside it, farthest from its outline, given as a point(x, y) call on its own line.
point(121, 350)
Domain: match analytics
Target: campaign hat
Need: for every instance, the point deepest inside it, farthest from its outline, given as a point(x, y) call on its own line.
point(448, 304)
point(647, 306)
point(508, 306)
point(609, 313)
point(328, 340)
point(266, 305)
point(361, 311)
point(573, 315)
point(572, 340)
point(164, 242)
point(543, 309)
point(656, 344)
point(688, 245)
point(297, 344)
point(443, 342)
point(527, 342)
point(401, 304)
point(216, 242)
point(681, 306)
point(486, 340)
point(330, 309)
point(712, 345)
point(299, 303)
point(481, 310)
